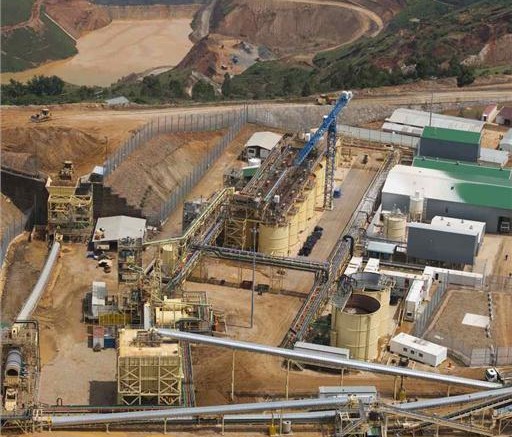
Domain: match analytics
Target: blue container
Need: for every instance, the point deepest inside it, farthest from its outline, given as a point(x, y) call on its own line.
point(109, 342)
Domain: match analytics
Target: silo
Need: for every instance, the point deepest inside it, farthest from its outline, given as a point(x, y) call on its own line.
point(302, 215)
point(293, 231)
point(274, 240)
point(379, 287)
point(416, 204)
point(320, 184)
point(357, 326)
point(395, 225)
point(169, 258)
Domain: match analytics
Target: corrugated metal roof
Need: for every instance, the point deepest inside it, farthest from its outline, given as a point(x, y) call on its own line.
point(117, 101)
point(489, 108)
point(265, 140)
point(443, 228)
point(421, 119)
point(459, 168)
point(402, 129)
point(492, 156)
point(460, 188)
point(381, 247)
point(452, 135)
point(506, 112)
point(120, 226)
point(462, 224)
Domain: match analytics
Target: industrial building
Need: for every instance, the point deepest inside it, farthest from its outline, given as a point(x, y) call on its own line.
point(411, 122)
point(261, 144)
point(437, 142)
point(447, 240)
point(489, 113)
point(109, 230)
point(418, 349)
point(149, 369)
point(504, 117)
point(506, 142)
point(461, 191)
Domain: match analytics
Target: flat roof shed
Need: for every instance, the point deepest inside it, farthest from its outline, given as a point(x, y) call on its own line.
point(115, 228)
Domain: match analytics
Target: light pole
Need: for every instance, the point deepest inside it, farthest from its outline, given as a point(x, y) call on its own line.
point(254, 232)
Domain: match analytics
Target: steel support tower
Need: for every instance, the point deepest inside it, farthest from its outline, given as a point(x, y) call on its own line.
point(330, 167)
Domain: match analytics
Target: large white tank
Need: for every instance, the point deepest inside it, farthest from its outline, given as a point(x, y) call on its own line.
point(293, 231)
point(274, 240)
point(302, 215)
point(395, 225)
point(310, 203)
point(416, 204)
point(357, 326)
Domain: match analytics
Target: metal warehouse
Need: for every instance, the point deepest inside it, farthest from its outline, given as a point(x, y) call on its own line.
point(463, 191)
point(261, 144)
point(444, 243)
point(449, 144)
point(411, 122)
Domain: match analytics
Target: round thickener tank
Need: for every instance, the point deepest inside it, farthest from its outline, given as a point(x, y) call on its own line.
point(274, 240)
point(395, 225)
point(320, 184)
point(13, 363)
point(357, 326)
point(293, 232)
point(416, 204)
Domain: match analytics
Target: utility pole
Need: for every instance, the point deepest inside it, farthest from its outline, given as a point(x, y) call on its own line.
point(254, 232)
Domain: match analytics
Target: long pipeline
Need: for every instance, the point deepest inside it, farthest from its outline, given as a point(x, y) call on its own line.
point(170, 413)
point(37, 291)
point(323, 360)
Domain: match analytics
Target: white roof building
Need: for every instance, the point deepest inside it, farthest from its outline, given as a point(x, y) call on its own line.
point(264, 140)
point(112, 229)
point(459, 225)
point(410, 119)
point(121, 100)
point(506, 141)
point(418, 349)
point(494, 157)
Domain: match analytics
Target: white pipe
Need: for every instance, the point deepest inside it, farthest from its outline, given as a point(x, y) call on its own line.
point(314, 358)
point(42, 281)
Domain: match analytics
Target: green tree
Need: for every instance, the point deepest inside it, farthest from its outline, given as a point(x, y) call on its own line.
point(287, 86)
point(151, 86)
point(203, 91)
point(176, 89)
point(45, 86)
point(306, 89)
point(227, 85)
point(466, 76)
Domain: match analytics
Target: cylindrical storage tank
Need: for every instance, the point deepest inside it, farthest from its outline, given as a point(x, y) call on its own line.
point(169, 258)
point(320, 184)
point(310, 203)
point(358, 327)
point(302, 215)
point(371, 284)
point(148, 320)
point(395, 226)
point(293, 231)
point(416, 204)
point(254, 162)
point(273, 240)
point(287, 427)
point(13, 363)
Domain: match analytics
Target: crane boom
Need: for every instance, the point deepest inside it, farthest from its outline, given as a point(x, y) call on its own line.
point(328, 121)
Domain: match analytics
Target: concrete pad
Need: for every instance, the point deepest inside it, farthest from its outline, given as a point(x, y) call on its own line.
point(475, 320)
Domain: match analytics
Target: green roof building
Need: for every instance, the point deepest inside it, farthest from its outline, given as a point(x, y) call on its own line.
point(438, 142)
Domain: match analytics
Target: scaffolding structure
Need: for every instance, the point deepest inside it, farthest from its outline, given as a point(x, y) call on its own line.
point(70, 211)
point(149, 370)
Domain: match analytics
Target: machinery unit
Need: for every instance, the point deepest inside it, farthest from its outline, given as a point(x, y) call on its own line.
point(43, 115)
point(149, 370)
point(67, 171)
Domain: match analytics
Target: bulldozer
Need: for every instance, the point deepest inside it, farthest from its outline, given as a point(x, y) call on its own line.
point(43, 115)
point(326, 99)
point(67, 170)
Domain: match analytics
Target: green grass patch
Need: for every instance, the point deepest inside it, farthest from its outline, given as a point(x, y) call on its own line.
point(15, 11)
point(24, 48)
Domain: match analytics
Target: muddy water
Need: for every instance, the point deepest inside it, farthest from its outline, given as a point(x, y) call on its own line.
point(121, 48)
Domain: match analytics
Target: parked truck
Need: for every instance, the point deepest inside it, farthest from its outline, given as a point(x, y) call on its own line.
point(493, 374)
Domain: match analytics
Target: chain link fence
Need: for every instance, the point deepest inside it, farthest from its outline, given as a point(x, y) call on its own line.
point(189, 182)
point(171, 124)
point(10, 232)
